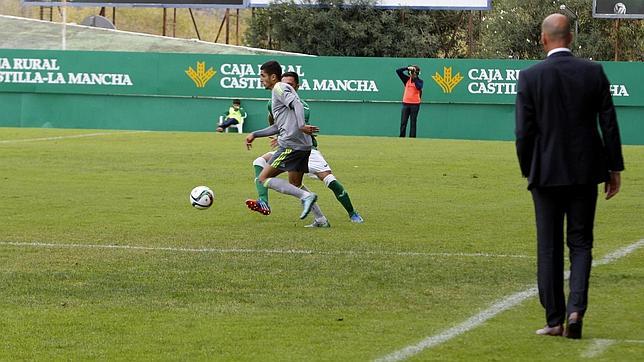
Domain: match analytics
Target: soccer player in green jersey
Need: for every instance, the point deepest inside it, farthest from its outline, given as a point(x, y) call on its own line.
point(317, 166)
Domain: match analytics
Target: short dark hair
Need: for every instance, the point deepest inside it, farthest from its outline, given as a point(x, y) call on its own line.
point(272, 67)
point(293, 75)
point(236, 101)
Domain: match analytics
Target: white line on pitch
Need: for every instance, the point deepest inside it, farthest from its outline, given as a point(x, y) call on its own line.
point(498, 307)
point(600, 345)
point(70, 136)
point(630, 340)
point(256, 251)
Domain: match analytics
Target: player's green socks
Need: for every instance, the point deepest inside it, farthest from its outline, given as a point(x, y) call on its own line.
point(262, 191)
point(340, 194)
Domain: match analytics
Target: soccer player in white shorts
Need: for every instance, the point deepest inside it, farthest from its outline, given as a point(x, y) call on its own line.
point(317, 167)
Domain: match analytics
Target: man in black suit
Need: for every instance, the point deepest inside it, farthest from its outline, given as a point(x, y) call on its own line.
point(561, 152)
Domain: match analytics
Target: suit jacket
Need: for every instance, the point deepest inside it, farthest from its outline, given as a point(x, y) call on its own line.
point(559, 103)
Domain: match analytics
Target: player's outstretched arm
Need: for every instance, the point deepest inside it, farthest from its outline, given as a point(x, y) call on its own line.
point(249, 141)
point(268, 131)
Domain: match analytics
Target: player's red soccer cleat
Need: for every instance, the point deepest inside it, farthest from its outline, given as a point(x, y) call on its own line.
point(259, 205)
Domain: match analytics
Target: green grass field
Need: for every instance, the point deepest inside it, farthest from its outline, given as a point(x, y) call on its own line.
point(449, 231)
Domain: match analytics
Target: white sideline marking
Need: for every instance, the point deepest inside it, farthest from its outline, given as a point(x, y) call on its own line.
point(255, 251)
point(67, 137)
point(600, 345)
point(498, 307)
point(630, 340)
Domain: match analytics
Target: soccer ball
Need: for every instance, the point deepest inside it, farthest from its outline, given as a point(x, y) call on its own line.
point(201, 197)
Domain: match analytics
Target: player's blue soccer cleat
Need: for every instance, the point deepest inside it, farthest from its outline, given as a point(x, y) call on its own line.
point(319, 224)
point(356, 218)
point(259, 205)
point(307, 202)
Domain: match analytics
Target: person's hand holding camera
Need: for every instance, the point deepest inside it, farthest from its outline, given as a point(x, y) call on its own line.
point(412, 71)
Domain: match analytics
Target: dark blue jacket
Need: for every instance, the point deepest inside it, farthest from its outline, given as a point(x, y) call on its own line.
point(562, 104)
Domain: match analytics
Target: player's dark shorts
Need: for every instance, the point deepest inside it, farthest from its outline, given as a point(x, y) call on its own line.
point(288, 159)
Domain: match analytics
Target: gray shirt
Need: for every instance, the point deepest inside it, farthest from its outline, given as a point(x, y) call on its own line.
point(288, 113)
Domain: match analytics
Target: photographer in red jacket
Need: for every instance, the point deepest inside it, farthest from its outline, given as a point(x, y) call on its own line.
point(411, 98)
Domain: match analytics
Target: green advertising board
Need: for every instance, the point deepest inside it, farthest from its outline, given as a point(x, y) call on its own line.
point(354, 95)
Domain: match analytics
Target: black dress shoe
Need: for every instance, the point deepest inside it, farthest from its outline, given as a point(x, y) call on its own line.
point(573, 330)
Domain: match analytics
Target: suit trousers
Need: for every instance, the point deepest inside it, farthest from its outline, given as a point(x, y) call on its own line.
point(409, 112)
point(576, 205)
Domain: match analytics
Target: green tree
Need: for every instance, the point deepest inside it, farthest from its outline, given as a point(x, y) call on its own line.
point(512, 29)
point(331, 28)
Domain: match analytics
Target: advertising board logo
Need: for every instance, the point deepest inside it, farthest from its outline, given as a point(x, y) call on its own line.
point(447, 82)
point(619, 8)
point(201, 76)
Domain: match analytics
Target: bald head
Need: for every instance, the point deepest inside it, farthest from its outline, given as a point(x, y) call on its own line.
point(555, 32)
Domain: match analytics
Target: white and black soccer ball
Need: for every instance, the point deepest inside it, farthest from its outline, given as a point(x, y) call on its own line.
point(201, 197)
point(619, 8)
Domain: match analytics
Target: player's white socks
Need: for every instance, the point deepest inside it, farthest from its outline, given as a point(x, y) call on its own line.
point(284, 187)
point(260, 161)
point(315, 209)
point(328, 179)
